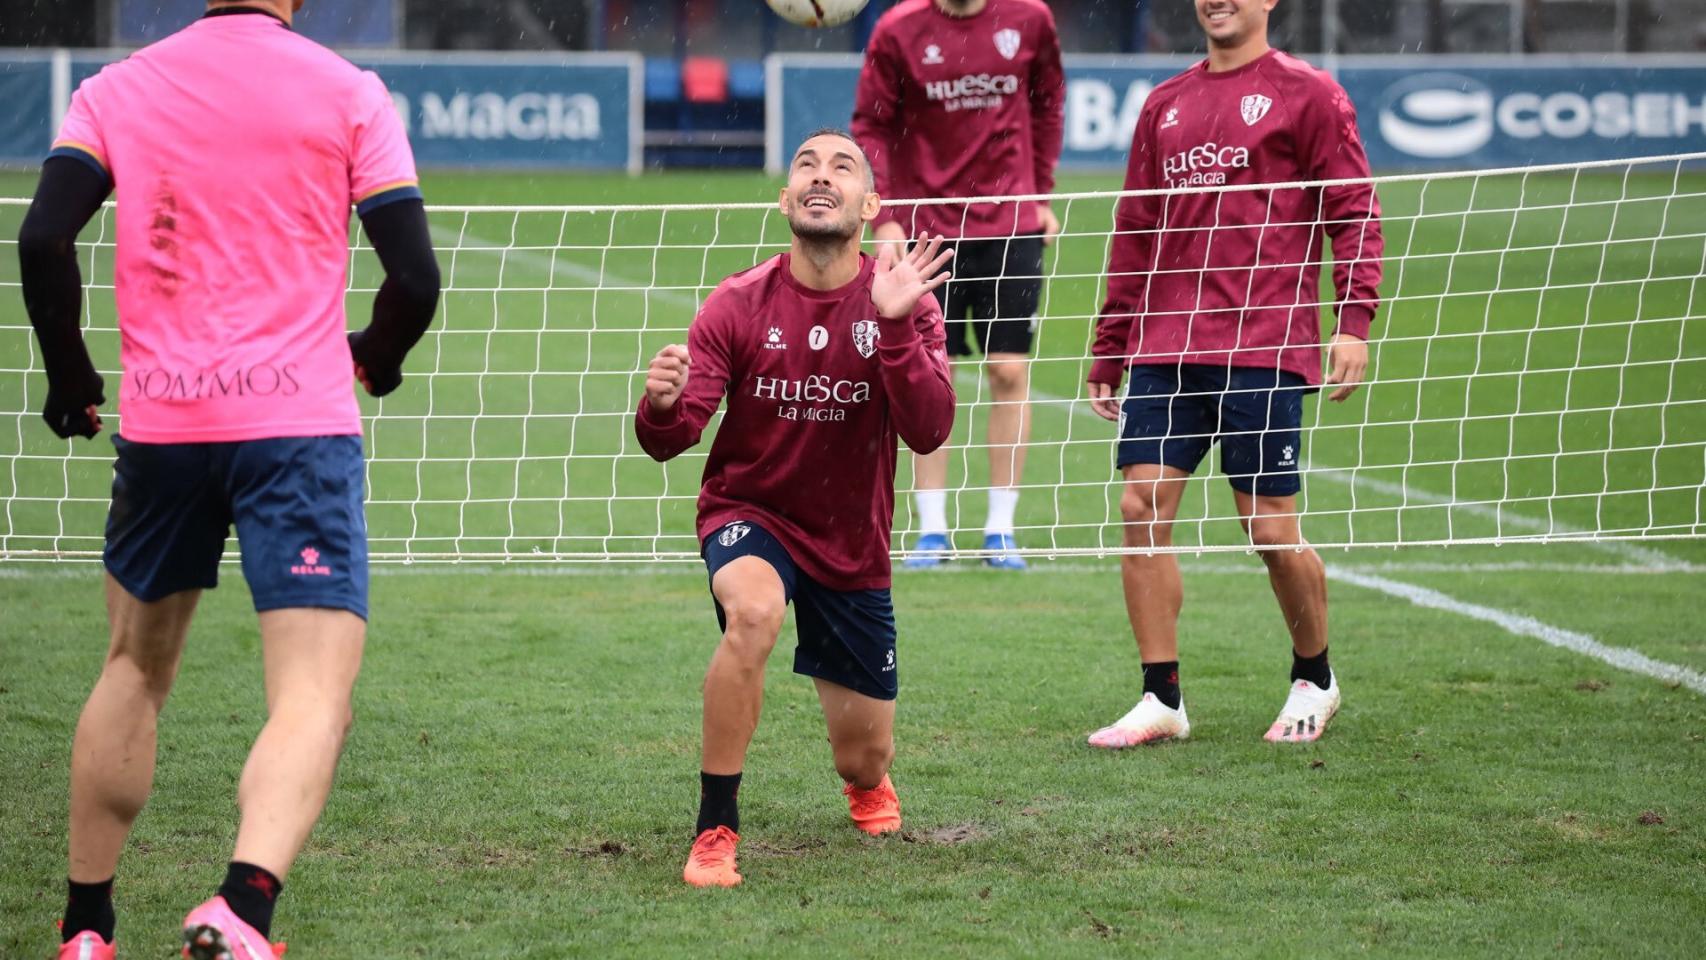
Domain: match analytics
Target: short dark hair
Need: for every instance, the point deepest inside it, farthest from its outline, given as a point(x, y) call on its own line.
point(870, 175)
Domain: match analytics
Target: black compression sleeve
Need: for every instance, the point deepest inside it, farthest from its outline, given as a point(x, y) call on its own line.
point(67, 196)
point(403, 309)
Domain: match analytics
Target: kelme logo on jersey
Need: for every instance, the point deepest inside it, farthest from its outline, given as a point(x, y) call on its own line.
point(865, 336)
point(1007, 43)
point(733, 533)
point(1253, 108)
point(1204, 165)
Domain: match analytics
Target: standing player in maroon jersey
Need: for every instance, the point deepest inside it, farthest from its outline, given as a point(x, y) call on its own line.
point(826, 356)
point(1212, 303)
point(965, 98)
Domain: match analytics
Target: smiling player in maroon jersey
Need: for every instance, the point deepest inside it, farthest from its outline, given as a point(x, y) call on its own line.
point(826, 356)
point(1212, 304)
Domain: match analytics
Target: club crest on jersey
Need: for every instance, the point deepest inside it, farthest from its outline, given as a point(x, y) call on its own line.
point(933, 54)
point(1007, 42)
point(865, 337)
point(1254, 107)
point(733, 533)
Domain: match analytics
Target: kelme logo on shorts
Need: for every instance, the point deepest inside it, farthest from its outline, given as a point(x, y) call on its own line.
point(310, 565)
point(733, 533)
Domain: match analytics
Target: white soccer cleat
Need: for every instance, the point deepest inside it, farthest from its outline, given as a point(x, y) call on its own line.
point(1306, 712)
point(1151, 721)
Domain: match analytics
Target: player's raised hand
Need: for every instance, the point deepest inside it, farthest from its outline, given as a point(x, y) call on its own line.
point(667, 376)
point(1347, 362)
point(901, 279)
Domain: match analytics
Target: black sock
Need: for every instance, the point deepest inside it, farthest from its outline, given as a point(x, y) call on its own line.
point(1314, 669)
point(717, 806)
point(88, 906)
point(1162, 679)
point(250, 892)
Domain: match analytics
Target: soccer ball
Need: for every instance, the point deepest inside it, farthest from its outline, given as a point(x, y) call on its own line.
point(817, 13)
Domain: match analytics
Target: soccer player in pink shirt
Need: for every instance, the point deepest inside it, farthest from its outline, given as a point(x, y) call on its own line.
point(235, 148)
point(1212, 305)
point(966, 98)
point(825, 356)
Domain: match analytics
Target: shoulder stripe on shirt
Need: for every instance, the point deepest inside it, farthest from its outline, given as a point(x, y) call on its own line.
point(390, 193)
point(83, 152)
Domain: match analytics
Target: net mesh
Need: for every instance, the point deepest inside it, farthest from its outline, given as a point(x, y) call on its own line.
point(1537, 373)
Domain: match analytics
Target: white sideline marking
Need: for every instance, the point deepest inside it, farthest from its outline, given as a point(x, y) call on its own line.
point(1621, 657)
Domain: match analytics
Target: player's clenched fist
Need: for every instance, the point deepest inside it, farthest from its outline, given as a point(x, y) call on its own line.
point(667, 376)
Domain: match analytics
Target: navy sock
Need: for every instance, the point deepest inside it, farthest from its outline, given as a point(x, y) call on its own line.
point(251, 892)
point(717, 807)
point(88, 906)
point(1314, 669)
point(1162, 679)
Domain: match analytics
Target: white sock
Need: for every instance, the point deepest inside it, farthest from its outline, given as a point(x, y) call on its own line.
point(1002, 501)
point(932, 511)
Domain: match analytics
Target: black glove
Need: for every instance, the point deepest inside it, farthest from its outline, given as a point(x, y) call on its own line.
point(69, 413)
point(380, 376)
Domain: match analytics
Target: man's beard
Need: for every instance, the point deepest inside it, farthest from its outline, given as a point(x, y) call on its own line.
point(823, 231)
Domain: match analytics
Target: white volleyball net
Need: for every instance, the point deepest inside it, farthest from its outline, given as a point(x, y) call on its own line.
point(1537, 373)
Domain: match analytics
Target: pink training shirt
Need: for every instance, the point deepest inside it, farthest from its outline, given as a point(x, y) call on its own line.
point(236, 148)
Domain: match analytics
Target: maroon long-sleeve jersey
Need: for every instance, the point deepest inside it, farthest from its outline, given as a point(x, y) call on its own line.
point(962, 107)
point(1231, 277)
point(819, 386)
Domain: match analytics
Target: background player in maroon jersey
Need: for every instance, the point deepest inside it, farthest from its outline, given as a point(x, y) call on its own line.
point(965, 98)
point(1212, 303)
point(826, 356)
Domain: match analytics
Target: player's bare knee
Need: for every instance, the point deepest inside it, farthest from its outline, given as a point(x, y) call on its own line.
point(1273, 532)
point(1008, 379)
point(864, 763)
point(1137, 505)
point(752, 628)
point(150, 672)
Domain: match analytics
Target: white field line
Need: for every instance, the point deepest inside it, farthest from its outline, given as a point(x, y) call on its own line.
point(1622, 658)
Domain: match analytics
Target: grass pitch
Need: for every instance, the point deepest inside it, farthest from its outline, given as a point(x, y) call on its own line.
point(521, 778)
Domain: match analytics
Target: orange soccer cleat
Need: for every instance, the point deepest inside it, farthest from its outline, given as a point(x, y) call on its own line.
point(875, 811)
point(712, 862)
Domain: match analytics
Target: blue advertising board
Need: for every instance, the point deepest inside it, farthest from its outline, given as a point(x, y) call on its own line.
point(518, 111)
point(523, 111)
point(1415, 113)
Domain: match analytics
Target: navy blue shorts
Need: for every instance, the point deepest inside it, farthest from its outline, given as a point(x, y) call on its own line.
point(296, 501)
point(1173, 413)
point(844, 636)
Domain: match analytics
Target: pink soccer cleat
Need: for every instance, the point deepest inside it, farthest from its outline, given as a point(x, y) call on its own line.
point(87, 945)
point(1151, 721)
point(213, 932)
